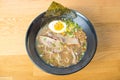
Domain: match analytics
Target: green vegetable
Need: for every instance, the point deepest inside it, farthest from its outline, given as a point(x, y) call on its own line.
point(54, 45)
point(81, 56)
point(61, 43)
point(85, 45)
point(72, 27)
point(44, 39)
point(70, 34)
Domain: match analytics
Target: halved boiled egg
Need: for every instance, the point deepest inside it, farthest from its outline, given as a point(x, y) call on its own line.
point(57, 26)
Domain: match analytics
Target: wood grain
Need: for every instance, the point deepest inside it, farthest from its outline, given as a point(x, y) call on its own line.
point(15, 18)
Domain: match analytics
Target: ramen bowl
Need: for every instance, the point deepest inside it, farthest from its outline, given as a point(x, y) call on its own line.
point(33, 30)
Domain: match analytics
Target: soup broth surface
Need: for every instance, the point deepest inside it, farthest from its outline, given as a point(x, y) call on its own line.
point(61, 43)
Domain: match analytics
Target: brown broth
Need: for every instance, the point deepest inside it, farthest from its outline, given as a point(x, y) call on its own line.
point(61, 49)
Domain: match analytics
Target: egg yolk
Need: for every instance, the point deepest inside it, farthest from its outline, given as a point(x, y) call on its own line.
point(58, 26)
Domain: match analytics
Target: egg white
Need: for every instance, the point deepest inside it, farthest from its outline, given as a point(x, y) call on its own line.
point(51, 26)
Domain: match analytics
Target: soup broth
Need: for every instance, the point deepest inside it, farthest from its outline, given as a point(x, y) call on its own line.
point(61, 43)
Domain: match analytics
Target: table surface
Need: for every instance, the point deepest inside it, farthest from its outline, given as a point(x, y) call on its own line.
point(15, 18)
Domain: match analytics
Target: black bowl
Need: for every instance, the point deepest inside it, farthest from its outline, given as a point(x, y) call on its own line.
point(91, 45)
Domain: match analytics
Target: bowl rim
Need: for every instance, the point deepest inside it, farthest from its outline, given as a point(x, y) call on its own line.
point(89, 59)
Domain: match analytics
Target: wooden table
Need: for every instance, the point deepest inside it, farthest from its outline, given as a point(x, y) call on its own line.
point(15, 18)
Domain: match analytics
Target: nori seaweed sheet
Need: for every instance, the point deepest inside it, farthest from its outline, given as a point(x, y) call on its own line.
point(57, 10)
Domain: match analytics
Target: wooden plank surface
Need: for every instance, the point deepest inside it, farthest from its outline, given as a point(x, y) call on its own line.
point(15, 18)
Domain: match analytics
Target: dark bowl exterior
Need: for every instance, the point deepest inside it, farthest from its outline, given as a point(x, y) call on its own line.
point(91, 45)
